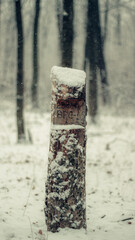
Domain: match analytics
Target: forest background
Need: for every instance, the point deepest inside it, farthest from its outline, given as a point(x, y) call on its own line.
point(119, 51)
point(110, 165)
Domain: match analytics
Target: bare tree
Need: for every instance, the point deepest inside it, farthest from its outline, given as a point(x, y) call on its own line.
point(100, 52)
point(20, 73)
point(0, 14)
point(106, 20)
point(94, 55)
point(90, 59)
point(118, 24)
point(67, 33)
point(34, 87)
point(59, 11)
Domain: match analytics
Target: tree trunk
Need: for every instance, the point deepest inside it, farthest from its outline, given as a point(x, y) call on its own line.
point(0, 18)
point(93, 102)
point(20, 75)
point(91, 59)
point(34, 87)
point(59, 11)
point(106, 20)
point(65, 187)
point(67, 33)
point(100, 54)
point(95, 56)
point(118, 26)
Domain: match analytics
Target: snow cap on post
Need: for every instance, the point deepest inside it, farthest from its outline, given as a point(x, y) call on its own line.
point(69, 76)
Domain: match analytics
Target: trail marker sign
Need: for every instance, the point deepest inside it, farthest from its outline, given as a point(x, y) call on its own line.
point(65, 203)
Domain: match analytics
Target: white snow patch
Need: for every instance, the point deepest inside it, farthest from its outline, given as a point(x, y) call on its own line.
point(62, 195)
point(110, 180)
point(50, 155)
point(68, 76)
point(54, 165)
point(62, 138)
point(63, 169)
point(59, 156)
point(66, 127)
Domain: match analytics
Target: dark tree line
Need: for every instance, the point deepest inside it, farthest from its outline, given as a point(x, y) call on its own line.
point(94, 53)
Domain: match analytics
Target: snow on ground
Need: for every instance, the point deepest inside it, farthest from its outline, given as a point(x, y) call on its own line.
point(110, 180)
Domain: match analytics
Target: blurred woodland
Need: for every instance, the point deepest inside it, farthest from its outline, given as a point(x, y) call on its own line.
point(95, 36)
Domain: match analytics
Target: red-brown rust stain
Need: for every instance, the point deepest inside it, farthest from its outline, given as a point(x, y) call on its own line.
point(70, 102)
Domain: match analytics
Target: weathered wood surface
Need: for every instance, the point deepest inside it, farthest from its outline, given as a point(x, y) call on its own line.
point(68, 110)
point(65, 186)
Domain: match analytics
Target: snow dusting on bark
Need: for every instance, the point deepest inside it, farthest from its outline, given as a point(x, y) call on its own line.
point(65, 188)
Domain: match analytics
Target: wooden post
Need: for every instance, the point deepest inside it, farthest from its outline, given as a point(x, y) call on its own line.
point(65, 203)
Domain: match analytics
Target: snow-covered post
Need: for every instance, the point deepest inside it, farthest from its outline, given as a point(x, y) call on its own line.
point(65, 187)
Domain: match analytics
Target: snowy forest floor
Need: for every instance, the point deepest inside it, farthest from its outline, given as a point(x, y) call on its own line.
point(110, 180)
